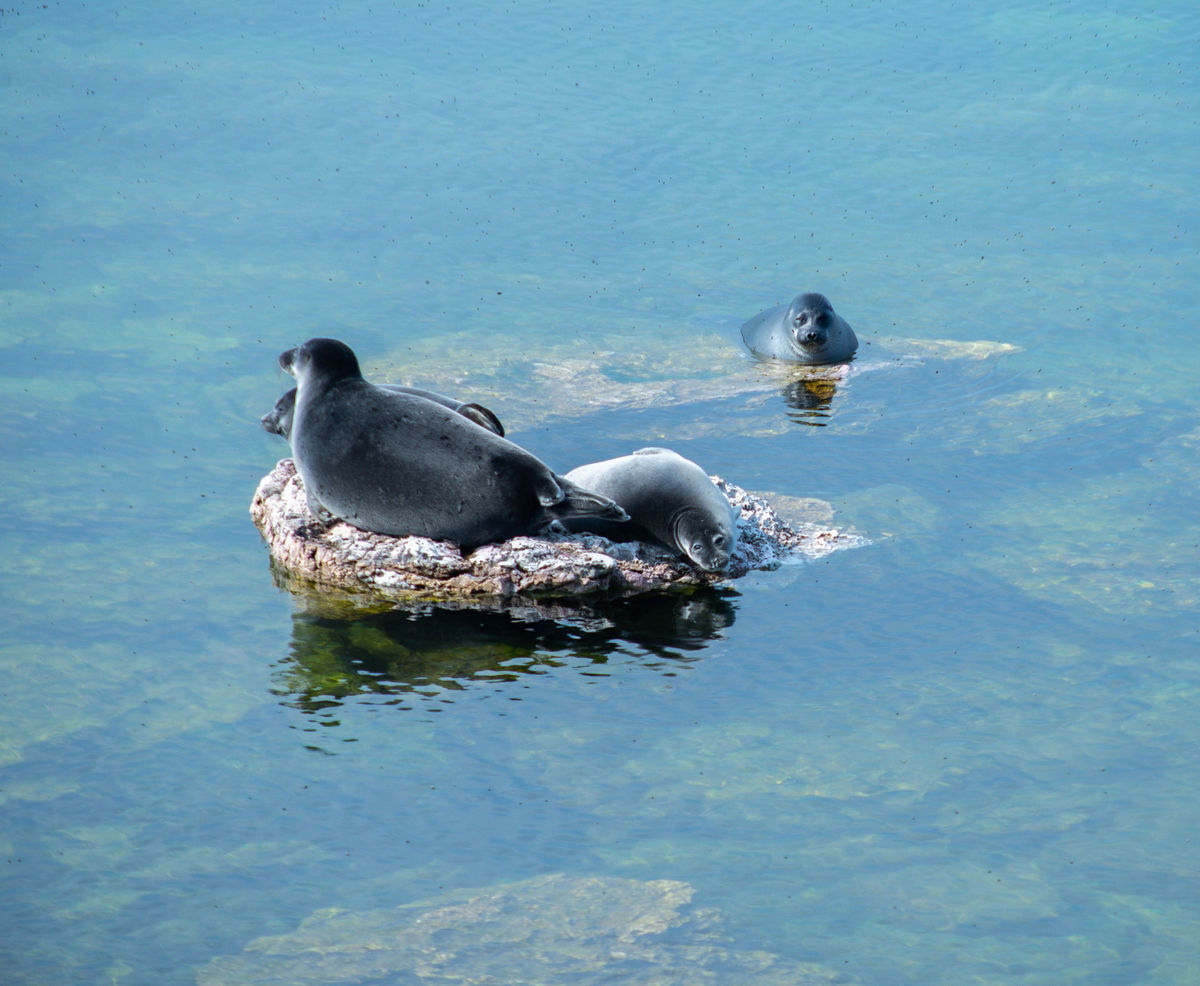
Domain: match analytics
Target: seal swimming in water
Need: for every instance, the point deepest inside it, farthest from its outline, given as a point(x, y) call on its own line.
point(400, 464)
point(670, 500)
point(278, 420)
point(806, 330)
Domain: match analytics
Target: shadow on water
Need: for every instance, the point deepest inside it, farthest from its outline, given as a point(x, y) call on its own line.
point(413, 657)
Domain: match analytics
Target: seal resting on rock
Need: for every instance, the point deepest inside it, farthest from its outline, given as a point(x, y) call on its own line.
point(400, 464)
point(670, 500)
point(806, 330)
point(278, 420)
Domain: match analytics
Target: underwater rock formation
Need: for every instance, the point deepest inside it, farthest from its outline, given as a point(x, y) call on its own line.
point(550, 930)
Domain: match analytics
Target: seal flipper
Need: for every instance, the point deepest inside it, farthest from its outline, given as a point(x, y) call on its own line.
point(482, 417)
point(547, 489)
point(576, 501)
point(317, 508)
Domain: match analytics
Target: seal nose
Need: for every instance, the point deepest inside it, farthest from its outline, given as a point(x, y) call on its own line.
point(811, 334)
point(809, 329)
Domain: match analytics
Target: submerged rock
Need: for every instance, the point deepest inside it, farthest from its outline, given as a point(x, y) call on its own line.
point(340, 556)
point(651, 371)
point(547, 930)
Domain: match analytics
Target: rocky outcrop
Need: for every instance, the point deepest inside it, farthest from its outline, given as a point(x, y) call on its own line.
point(337, 555)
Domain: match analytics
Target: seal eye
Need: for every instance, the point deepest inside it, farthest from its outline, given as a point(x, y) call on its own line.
point(801, 319)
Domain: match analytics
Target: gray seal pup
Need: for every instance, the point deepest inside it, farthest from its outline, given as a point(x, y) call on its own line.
point(806, 330)
point(400, 464)
point(278, 420)
point(670, 501)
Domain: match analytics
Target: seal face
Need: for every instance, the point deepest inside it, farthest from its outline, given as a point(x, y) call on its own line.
point(670, 500)
point(278, 420)
point(807, 330)
point(398, 463)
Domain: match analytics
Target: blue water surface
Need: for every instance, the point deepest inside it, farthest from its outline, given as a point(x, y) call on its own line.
point(965, 752)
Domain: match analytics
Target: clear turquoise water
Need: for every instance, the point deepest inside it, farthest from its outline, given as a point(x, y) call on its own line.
point(964, 753)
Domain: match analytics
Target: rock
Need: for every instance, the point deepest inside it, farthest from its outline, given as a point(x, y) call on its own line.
point(649, 371)
point(549, 930)
point(337, 555)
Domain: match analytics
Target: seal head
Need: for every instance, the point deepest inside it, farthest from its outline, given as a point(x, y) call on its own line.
point(807, 331)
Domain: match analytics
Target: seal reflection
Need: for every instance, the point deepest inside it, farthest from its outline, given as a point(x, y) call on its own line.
point(809, 401)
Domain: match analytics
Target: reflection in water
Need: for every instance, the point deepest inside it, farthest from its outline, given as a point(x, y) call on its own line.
point(941, 374)
point(808, 391)
point(809, 399)
point(416, 656)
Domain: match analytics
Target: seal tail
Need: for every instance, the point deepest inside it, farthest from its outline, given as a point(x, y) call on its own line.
point(580, 502)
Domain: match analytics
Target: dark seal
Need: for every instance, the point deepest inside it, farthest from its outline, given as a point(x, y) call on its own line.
point(278, 420)
point(400, 464)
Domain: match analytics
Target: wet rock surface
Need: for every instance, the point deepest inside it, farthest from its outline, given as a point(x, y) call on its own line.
point(340, 556)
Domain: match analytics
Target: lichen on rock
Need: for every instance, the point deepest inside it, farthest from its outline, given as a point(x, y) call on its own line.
point(338, 555)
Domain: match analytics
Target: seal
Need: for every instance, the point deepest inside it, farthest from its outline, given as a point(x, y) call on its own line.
point(401, 464)
point(806, 330)
point(670, 501)
point(278, 420)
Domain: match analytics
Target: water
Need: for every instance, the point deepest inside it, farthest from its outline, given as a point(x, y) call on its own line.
point(963, 753)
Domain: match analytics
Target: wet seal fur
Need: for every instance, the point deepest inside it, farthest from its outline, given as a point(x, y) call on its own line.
point(400, 464)
point(670, 501)
point(806, 330)
point(278, 420)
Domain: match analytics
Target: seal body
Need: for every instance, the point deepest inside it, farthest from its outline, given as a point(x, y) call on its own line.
point(278, 420)
point(398, 463)
point(806, 330)
point(670, 500)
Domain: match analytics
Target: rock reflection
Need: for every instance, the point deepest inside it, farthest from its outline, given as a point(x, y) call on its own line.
point(339, 651)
